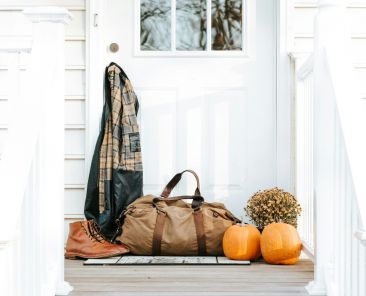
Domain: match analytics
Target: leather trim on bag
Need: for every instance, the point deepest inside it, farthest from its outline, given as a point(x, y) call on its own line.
point(200, 231)
point(158, 233)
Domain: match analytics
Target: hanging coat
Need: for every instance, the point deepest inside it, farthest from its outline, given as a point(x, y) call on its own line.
point(115, 178)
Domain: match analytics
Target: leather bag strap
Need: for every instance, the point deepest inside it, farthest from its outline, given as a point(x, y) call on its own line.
point(175, 180)
point(200, 232)
point(158, 233)
point(196, 200)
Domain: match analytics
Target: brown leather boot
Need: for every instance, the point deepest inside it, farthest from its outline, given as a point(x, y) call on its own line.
point(86, 241)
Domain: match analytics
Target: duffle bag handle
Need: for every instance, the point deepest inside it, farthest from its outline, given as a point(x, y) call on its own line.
point(175, 180)
point(196, 200)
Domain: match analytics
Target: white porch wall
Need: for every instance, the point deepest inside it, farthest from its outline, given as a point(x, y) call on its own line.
point(12, 25)
point(301, 29)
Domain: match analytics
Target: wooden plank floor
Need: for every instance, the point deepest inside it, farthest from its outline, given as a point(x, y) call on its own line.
point(255, 280)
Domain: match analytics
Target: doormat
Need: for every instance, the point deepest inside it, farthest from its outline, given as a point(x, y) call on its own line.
point(165, 260)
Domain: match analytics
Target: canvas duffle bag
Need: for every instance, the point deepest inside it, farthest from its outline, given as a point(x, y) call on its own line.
point(166, 225)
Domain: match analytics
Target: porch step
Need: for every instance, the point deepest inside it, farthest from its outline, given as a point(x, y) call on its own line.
point(256, 279)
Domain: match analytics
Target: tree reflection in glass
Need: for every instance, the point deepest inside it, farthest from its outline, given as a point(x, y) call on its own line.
point(226, 24)
point(155, 18)
point(191, 25)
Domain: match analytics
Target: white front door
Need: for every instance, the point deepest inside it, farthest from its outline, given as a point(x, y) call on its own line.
point(211, 113)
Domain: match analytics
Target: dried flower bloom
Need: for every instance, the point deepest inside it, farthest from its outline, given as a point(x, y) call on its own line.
point(273, 205)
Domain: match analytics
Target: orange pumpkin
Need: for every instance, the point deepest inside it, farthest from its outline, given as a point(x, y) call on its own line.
point(242, 242)
point(280, 244)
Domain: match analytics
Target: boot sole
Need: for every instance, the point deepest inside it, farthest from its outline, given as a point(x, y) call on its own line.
point(81, 256)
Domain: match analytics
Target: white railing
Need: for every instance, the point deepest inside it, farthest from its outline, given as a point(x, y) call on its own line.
point(31, 165)
point(304, 130)
point(331, 159)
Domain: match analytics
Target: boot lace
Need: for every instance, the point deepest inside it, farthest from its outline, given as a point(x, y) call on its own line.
point(94, 232)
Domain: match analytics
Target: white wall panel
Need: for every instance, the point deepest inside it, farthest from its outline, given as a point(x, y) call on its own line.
point(303, 44)
point(158, 125)
point(74, 201)
point(360, 79)
point(4, 112)
point(74, 112)
point(192, 144)
point(206, 132)
point(227, 120)
point(357, 20)
point(358, 49)
point(75, 53)
point(303, 20)
point(4, 82)
point(77, 25)
point(74, 141)
point(74, 171)
point(3, 135)
point(75, 82)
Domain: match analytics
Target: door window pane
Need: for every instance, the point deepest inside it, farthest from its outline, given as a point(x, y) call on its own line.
point(194, 26)
point(226, 24)
point(155, 22)
point(191, 25)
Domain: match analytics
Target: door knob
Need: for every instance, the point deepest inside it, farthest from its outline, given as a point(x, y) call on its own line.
point(113, 47)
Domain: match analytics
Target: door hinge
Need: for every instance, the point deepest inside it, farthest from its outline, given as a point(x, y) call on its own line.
point(96, 19)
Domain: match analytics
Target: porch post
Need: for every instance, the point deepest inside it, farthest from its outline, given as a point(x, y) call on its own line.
point(328, 24)
point(47, 67)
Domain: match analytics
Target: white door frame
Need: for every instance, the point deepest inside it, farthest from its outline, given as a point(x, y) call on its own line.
point(284, 100)
point(284, 124)
point(94, 74)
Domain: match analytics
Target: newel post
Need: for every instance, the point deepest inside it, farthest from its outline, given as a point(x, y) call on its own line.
point(47, 71)
point(327, 29)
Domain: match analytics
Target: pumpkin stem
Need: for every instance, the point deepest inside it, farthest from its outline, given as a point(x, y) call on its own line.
point(242, 220)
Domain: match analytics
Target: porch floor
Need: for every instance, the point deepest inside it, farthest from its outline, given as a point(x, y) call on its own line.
point(256, 279)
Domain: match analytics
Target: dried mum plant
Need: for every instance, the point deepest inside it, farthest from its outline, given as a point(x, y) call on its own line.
point(273, 205)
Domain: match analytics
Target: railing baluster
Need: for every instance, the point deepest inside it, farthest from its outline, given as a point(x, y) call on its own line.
point(304, 154)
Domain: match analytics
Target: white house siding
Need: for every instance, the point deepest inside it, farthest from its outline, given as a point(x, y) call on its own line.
point(301, 32)
point(14, 24)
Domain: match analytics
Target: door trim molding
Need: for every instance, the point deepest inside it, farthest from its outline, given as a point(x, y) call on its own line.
point(94, 74)
point(284, 99)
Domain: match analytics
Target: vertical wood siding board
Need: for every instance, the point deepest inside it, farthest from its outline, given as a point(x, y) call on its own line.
point(336, 207)
point(357, 245)
point(348, 239)
point(345, 269)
